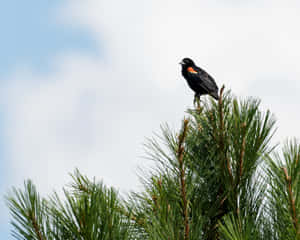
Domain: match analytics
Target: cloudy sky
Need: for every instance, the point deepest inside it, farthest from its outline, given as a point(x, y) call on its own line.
point(83, 83)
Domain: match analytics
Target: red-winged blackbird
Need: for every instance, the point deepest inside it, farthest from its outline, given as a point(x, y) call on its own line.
point(198, 80)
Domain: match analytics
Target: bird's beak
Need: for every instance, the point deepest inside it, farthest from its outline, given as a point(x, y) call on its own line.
point(181, 63)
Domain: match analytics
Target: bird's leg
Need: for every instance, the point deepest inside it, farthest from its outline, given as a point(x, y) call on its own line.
point(197, 100)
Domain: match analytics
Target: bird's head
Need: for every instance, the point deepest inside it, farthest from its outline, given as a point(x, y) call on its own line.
point(187, 62)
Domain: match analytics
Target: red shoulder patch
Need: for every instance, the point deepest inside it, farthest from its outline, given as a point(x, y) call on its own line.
point(191, 70)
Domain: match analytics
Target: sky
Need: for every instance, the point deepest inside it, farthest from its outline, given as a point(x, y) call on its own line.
point(84, 83)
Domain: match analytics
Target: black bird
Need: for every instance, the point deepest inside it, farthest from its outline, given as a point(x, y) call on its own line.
point(198, 80)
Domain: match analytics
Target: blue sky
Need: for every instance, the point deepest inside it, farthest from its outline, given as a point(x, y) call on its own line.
point(83, 83)
point(31, 35)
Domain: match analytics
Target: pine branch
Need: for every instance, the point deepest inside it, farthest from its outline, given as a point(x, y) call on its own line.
point(180, 155)
point(292, 201)
point(222, 134)
point(243, 149)
point(35, 226)
point(140, 222)
point(284, 194)
point(27, 210)
point(241, 160)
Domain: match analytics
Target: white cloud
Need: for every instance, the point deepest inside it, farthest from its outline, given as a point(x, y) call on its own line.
point(94, 113)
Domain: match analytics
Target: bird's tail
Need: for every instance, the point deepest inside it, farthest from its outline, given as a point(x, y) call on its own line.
point(215, 95)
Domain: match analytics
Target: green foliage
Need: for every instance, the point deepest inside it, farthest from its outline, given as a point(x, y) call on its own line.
point(29, 213)
point(231, 137)
point(90, 211)
point(284, 192)
point(217, 178)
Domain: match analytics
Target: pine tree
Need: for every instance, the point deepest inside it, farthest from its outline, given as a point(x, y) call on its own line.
point(217, 178)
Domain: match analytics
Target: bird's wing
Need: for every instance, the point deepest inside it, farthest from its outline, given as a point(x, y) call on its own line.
point(204, 80)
